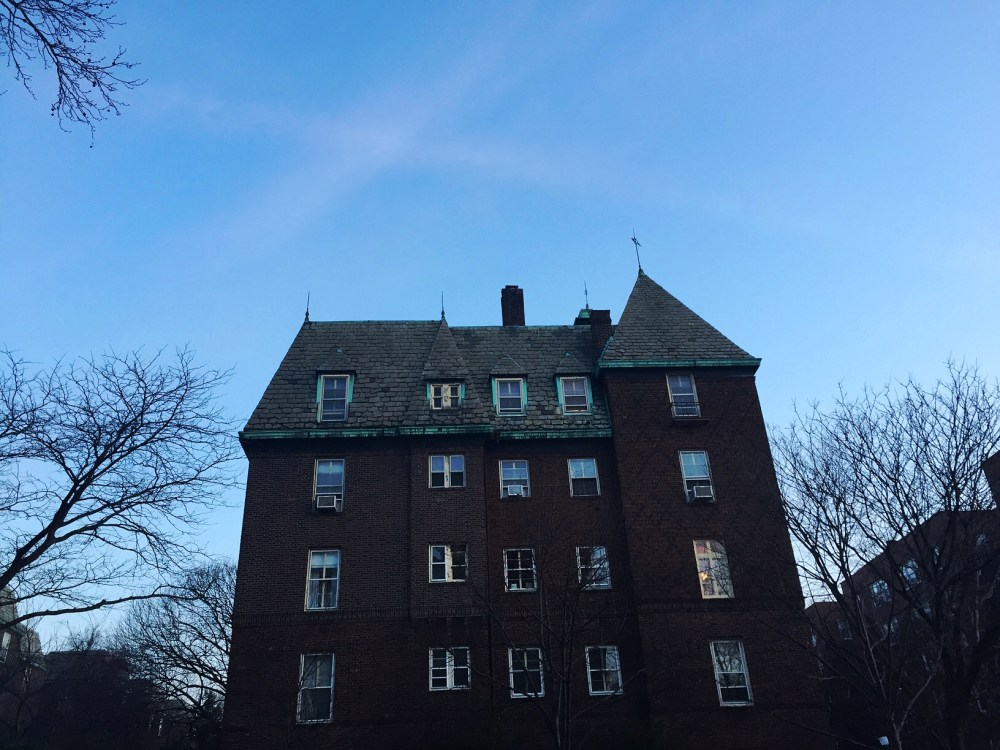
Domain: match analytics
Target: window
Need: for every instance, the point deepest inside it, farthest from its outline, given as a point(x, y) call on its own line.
point(447, 471)
point(604, 676)
point(446, 395)
point(329, 491)
point(697, 480)
point(334, 394)
point(592, 567)
point(731, 676)
point(844, 628)
point(449, 669)
point(519, 569)
point(880, 591)
point(448, 563)
point(526, 675)
point(514, 479)
point(583, 477)
point(683, 397)
point(510, 396)
point(324, 579)
point(4, 646)
point(909, 571)
point(713, 569)
point(575, 394)
point(315, 688)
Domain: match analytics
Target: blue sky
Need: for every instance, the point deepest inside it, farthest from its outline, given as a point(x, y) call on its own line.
point(819, 181)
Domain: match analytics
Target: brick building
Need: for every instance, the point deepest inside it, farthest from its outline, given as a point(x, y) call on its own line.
point(517, 536)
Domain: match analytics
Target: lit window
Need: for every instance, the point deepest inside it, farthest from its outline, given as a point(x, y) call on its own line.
point(592, 567)
point(333, 397)
point(510, 396)
point(324, 579)
point(449, 669)
point(514, 479)
point(329, 490)
point(880, 591)
point(315, 702)
point(575, 395)
point(683, 397)
point(731, 676)
point(713, 569)
point(447, 471)
point(519, 569)
point(527, 679)
point(449, 563)
point(604, 676)
point(583, 477)
point(697, 480)
point(446, 395)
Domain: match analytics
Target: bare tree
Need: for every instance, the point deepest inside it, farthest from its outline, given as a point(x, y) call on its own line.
point(181, 644)
point(65, 35)
point(107, 467)
point(897, 538)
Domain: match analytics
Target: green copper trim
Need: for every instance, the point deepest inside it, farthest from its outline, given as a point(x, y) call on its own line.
point(687, 363)
point(377, 432)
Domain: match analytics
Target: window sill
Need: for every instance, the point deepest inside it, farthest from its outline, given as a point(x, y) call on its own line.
point(689, 421)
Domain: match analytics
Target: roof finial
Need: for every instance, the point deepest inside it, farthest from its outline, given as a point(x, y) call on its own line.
point(586, 297)
point(637, 246)
point(307, 308)
point(442, 305)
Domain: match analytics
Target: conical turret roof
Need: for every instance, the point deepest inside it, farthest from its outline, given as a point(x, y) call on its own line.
point(656, 328)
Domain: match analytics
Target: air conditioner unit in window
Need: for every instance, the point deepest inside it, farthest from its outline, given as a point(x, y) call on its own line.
point(333, 502)
point(515, 490)
point(703, 492)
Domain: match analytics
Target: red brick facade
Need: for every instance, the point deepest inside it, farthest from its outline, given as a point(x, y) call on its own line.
point(389, 614)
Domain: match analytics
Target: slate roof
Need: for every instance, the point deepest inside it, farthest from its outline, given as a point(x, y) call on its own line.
point(657, 327)
point(392, 362)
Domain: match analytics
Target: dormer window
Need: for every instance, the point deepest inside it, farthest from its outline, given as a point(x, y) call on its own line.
point(683, 397)
point(575, 395)
point(510, 396)
point(445, 395)
point(334, 395)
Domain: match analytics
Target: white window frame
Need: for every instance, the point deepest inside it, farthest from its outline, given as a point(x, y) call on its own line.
point(541, 671)
point(522, 397)
point(712, 563)
point(575, 409)
point(449, 562)
point(693, 481)
point(447, 672)
point(583, 463)
point(448, 394)
point(447, 472)
point(321, 411)
point(688, 408)
point(514, 464)
point(720, 673)
point(611, 666)
point(338, 497)
point(303, 687)
point(601, 576)
point(520, 569)
point(310, 581)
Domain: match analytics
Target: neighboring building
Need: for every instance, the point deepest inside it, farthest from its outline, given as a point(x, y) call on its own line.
point(459, 537)
point(910, 626)
point(21, 671)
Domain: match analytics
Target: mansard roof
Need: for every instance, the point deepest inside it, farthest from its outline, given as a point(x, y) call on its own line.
point(657, 329)
point(393, 361)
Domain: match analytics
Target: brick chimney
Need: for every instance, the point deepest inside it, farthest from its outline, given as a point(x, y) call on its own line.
point(512, 305)
point(600, 330)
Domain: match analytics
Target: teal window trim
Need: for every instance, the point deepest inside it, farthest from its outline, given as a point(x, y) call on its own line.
point(496, 394)
point(348, 394)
